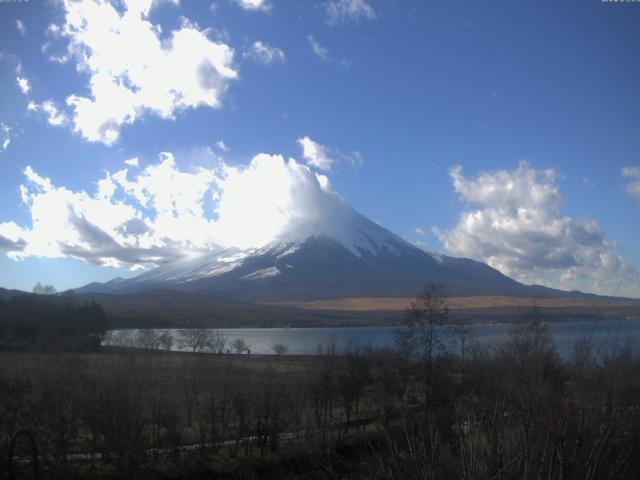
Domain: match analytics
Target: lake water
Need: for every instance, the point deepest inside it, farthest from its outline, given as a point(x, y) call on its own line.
point(605, 334)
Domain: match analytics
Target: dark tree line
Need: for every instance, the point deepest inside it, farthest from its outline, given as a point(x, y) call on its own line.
point(32, 321)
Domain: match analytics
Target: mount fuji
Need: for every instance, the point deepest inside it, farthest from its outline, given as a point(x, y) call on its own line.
point(340, 255)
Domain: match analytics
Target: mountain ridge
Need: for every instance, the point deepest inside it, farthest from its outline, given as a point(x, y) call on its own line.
point(353, 257)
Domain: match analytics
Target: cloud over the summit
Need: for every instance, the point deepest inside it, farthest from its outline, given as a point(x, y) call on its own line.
point(514, 223)
point(163, 212)
point(322, 157)
point(315, 154)
point(134, 68)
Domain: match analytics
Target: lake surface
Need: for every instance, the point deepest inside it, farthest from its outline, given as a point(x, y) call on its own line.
point(605, 334)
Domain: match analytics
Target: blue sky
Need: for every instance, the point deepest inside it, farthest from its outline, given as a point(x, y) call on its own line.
point(504, 131)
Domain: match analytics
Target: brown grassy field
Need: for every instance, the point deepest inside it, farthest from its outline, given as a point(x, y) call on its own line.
point(364, 304)
point(146, 410)
point(167, 366)
point(145, 382)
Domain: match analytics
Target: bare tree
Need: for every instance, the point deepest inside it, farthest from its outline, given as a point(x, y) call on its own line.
point(280, 349)
point(166, 340)
point(147, 338)
point(239, 345)
point(197, 339)
point(530, 346)
point(424, 330)
point(217, 342)
point(192, 381)
point(353, 378)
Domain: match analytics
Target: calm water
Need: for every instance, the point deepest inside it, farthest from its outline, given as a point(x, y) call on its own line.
point(605, 334)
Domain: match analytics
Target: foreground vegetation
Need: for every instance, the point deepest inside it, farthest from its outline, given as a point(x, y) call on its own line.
point(514, 411)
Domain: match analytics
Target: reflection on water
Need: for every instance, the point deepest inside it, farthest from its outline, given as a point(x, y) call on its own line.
point(606, 335)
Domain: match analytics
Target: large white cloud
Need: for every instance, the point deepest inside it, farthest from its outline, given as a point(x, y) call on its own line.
point(515, 224)
point(164, 212)
point(134, 67)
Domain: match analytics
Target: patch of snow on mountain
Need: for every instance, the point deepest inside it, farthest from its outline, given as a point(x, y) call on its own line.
point(437, 257)
point(262, 274)
point(233, 258)
point(220, 270)
point(290, 250)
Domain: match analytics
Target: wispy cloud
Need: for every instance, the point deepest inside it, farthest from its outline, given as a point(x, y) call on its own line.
point(53, 114)
point(633, 176)
point(21, 27)
point(354, 159)
point(339, 11)
point(23, 84)
point(264, 53)
point(315, 154)
point(323, 157)
point(254, 5)
point(318, 49)
point(222, 146)
point(5, 136)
